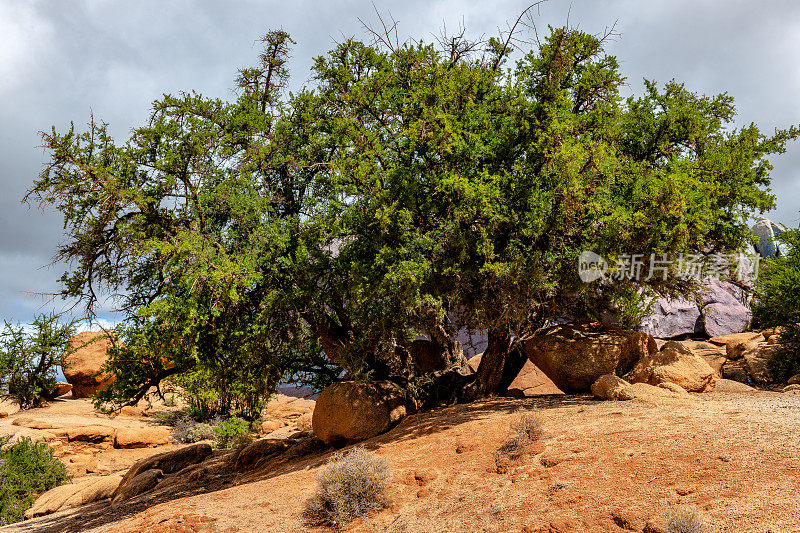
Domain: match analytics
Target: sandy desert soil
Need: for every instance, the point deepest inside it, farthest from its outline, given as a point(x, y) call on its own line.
point(733, 455)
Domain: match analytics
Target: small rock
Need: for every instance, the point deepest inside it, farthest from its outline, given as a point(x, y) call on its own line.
point(724, 340)
point(684, 491)
point(792, 388)
point(563, 526)
point(673, 388)
point(608, 387)
point(794, 380)
point(531, 381)
point(283, 433)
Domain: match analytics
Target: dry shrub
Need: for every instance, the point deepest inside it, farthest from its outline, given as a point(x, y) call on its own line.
point(354, 484)
point(527, 427)
point(685, 520)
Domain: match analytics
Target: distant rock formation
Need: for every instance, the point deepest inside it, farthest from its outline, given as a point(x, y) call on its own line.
point(767, 231)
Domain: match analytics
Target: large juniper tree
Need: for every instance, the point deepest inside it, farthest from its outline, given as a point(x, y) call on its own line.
point(410, 189)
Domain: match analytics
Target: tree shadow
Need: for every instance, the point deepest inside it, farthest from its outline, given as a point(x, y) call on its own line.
point(306, 453)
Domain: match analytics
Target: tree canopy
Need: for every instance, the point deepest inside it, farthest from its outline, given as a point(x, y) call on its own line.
point(410, 189)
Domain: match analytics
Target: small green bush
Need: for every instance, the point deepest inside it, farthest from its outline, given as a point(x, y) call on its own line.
point(685, 520)
point(228, 431)
point(27, 469)
point(30, 357)
point(354, 484)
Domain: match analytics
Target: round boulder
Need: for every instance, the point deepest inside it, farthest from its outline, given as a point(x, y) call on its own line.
point(351, 411)
point(83, 363)
point(609, 387)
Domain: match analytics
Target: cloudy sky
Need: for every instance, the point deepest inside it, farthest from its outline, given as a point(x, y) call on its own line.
point(62, 59)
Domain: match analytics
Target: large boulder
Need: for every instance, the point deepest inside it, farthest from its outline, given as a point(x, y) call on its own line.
point(730, 340)
point(716, 291)
point(83, 362)
point(767, 231)
point(674, 363)
point(166, 463)
point(573, 357)
point(531, 381)
point(712, 354)
point(138, 484)
point(60, 389)
point(81, 492)
point(758, 361)
point(672, 318)
point(735, 370)
point(351, 411)
point(725, 318)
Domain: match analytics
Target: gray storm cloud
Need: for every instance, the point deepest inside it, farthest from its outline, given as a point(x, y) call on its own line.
point(59, 61)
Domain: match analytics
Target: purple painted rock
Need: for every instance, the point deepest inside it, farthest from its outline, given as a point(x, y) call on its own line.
point(672, 318)
point(715, 291)
point(724, 319)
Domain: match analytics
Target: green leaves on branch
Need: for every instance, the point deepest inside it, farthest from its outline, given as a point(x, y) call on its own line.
point(408, 190)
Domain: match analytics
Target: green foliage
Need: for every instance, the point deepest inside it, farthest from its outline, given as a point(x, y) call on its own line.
point(30, 357)
point(408, 190)
point(354, 484)
point(229, 430)
point(775, 305)
point(27, 469)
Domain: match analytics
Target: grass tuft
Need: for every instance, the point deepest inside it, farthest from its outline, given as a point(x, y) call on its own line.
point(685, 519)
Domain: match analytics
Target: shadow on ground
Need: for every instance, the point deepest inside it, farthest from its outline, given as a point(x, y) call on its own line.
point(308, 453)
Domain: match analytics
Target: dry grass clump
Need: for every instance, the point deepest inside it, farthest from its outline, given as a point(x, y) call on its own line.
point(685, 519)
point(527, 427)
point(354, 484)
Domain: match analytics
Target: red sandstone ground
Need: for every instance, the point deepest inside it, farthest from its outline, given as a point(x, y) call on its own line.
point(735, 456)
